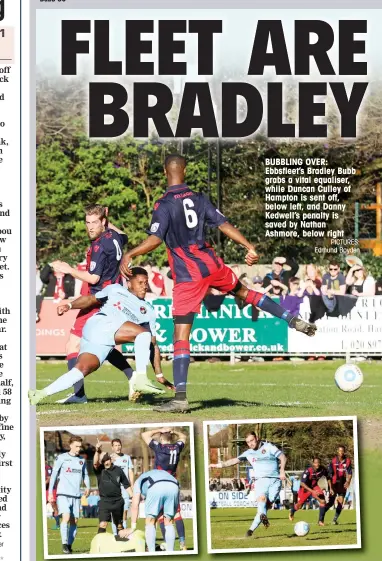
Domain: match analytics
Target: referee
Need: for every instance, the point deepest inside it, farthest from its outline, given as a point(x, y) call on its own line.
point(110, 479)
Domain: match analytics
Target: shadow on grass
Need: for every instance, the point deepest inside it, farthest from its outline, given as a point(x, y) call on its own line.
point(225, 402)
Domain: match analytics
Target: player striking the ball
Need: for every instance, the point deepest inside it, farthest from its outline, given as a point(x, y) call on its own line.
point(309, 487)
point(268, 464)
point(179, 219)
point(125, 317)
point(341, 473)
point(167, 456)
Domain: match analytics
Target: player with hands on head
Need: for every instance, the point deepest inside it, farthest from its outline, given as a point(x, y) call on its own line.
point(268, 465)
point(179, 220)
point(167, 455)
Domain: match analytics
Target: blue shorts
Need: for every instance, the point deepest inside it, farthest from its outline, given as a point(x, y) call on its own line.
point(98, 335)
point(162, 498)
point(270, 487)
point(68, 505)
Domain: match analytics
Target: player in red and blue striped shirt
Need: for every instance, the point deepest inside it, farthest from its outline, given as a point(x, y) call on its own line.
point(179, 219)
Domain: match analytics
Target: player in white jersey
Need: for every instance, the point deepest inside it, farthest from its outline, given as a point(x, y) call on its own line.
point(70, 470)
point(268, 464)
point(125, 317)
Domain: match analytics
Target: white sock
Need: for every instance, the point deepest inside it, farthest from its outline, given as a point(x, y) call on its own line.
point(142, 351)
point(64, 382)
point(150, 534)
point(170, 537)
point(124, 524)
point(114, 529)
point(64, 532)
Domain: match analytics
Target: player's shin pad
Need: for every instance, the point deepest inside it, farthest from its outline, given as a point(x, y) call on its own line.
point(140, 383)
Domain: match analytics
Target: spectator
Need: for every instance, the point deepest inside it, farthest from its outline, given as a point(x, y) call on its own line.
point(276, 288)
point(359, 283)
point(85, 506)
point(294, 298)
point(312, 274)
point(156, 281)
point(308, 288)
point(81, 288)
point(333, 284)
point(58, 286)
point(257, 284)
point(378, 287)
point(282, 270)
point(295, 483)
point(39, 297)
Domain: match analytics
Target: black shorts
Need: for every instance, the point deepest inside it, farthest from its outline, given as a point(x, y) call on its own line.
point(339, 488)
point(111, 511)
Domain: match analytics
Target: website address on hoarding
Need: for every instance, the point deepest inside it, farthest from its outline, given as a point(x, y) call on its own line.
point(224, 348)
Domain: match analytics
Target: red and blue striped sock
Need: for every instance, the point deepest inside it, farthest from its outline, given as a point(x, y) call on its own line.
point(180, 367)
point(266, 303)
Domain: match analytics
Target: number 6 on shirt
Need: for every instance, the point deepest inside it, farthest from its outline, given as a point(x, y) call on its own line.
point(191, 216)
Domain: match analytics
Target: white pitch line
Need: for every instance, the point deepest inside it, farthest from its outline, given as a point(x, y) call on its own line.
point(254, 384)
point(97, 410)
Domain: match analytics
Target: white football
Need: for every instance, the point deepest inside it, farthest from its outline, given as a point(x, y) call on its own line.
point(349, 377)
point(301, 529)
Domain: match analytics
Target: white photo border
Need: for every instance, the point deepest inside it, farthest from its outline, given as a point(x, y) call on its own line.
point(206, 424)
point(77, 430)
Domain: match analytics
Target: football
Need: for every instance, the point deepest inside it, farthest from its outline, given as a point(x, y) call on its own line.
point(301, 529)
point(348, 377)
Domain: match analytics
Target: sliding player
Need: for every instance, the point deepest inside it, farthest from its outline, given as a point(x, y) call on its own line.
point(102, 268)
point(268, 464)
point(160, 491)
point(179, 219)
point(125, 317)
point(167, 456)
point(70, 470)
point(309, 487)
point(341, 473)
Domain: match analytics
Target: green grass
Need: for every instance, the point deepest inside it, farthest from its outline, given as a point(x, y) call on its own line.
point(87, 529)
point(229, 525)
point(253, 391)
point(221, 391)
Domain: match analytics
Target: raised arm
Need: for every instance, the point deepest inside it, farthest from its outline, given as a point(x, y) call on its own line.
point(235, 235)
point(228, 463)
point(66, 269)
point(148, 245)
point(149, 435)
point(181, 436)
point(79, 303)
point(98, 455)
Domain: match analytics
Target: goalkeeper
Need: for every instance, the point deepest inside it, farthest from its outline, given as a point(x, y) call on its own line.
point(127, 540)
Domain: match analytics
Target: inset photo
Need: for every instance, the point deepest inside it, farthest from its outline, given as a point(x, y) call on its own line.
point(282, 484)
point(118, 490)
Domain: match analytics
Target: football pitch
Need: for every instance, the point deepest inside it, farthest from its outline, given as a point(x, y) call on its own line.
point(229, 525)
point(219, 391)
point(87, 529)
